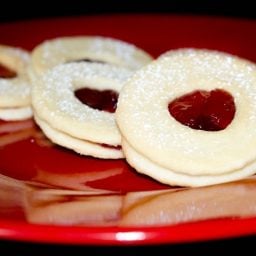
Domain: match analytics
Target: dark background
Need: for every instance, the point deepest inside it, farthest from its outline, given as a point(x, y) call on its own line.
point(17, 10)
point(240, 246)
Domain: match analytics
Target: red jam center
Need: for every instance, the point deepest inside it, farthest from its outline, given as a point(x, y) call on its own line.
point(204, 110)
point(6, 72)
point(110, 146)
point(89, 61)
point(102, 100)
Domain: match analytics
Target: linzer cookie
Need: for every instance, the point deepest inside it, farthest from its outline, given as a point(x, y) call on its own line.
point(14, 84)
point(86, 49)
point(74, 105)
point(189, 118)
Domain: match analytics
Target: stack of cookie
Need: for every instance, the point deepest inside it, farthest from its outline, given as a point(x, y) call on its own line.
point(67, 72)
point(186, 118)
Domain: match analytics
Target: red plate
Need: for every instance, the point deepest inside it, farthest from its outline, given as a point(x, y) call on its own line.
point(48, 194)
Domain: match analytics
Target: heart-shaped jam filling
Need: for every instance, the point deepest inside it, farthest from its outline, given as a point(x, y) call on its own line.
point(204, 110)
point(105, 100)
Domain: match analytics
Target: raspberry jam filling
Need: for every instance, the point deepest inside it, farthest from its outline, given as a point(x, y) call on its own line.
point(204, 110)
point(6, 72)
point(110, 146)
point(89, 61)
point(102, 100)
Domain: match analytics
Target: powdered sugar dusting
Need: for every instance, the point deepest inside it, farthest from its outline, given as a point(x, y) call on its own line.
point(122, 49)
point(15, 91)
point(55, 98)
point(60, 50)
point(15, 88)
point(146, 123)
point(63, 88)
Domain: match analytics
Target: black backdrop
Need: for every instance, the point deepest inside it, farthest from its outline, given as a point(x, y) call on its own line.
point(27, 9)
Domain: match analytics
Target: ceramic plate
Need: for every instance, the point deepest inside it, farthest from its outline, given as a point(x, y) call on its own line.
point(50, 194)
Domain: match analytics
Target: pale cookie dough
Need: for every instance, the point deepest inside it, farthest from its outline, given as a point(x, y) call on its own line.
point(82, 147)
point(168, 176)
point(12, 114)
point(60, 113)
point(15, 92)
point(158, 145)
point(91, 48)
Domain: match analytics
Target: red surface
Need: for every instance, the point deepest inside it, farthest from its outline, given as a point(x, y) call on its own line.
point(155, 34)
point(34, 162)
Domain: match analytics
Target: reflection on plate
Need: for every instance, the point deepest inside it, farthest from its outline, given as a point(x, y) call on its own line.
point(50, 194)
point(41, 204)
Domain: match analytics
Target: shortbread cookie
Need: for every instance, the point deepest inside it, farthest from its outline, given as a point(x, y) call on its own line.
point(82, 147)
point(156, 144)
point(87, 48)
point(69, 122)
point(12, 114)
point(14, 87)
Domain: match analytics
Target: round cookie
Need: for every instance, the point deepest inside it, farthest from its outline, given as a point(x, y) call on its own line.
point(15, 90)
point(66, 120)
point(82, 147)
point(155, 143)
point(89, 49)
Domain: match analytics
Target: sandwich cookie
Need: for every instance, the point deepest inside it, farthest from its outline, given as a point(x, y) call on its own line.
point(189, 118)
point(14, 84)
point(75, 103)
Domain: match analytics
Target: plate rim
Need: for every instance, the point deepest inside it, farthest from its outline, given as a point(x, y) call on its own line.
point(206, 230)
